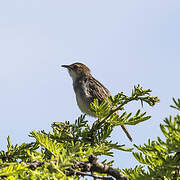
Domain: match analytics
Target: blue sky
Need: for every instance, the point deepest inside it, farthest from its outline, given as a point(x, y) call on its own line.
point(124, 43)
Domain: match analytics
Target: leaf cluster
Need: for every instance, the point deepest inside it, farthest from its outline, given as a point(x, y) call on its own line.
point(160, 157)
point(54, 155)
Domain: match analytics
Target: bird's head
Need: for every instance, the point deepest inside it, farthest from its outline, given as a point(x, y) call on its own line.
point(77, 70)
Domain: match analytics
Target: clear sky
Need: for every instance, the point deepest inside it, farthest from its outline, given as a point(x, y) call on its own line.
point(124, 43)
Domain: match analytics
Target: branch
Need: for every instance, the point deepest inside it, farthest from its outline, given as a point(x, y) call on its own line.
point(91, 175)
point(85, 168)
point(33, 165)
point(92, 165)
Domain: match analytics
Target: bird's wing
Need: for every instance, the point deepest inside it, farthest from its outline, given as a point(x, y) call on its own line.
point(97, 90)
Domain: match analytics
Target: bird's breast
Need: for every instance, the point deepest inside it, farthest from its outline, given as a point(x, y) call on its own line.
point(83, 97)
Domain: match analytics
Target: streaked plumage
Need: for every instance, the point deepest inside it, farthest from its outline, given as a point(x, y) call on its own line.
point(87, 88)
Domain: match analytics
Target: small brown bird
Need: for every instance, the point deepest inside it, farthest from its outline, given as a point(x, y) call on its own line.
point(87, 88)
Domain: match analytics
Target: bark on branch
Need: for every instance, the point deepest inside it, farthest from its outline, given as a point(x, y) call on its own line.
point(92, 165)
point(86, 168)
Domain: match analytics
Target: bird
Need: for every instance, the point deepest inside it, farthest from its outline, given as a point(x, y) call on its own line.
point(87, 88)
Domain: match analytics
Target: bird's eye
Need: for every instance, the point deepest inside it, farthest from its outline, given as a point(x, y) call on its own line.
point(78, 70)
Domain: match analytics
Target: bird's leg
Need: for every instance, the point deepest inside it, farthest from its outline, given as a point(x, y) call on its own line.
point(93, 129)
point(95, 123)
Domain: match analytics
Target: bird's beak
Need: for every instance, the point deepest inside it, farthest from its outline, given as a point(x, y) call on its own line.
point(66, 66)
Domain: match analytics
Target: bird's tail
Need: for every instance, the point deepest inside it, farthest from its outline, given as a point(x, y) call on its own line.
point(127, 133)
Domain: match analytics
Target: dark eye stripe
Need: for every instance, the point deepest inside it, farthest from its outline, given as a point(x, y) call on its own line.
point(75, 67)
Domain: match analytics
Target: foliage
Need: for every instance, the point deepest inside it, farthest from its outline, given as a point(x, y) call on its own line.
point(162, 157)
point(70, 150)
